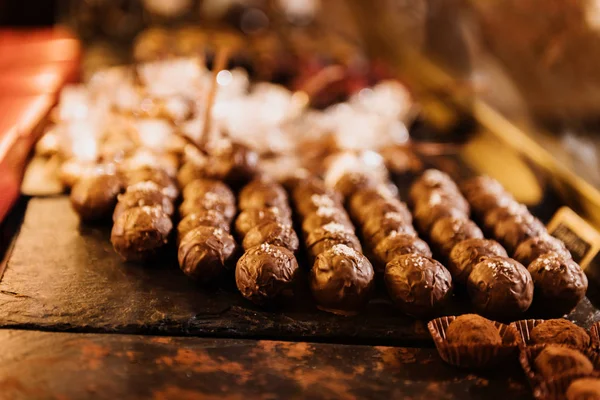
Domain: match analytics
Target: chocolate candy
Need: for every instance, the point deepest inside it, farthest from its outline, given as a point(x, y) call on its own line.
point(560, 284)
point(190, 172)
point(378, 228)
point(494, 215)
point(199, 188)
point(158, 176)
point(312, 203)
point(210, 201)
point(140, 232)
point(560, 331)
point(273, 233)
point(253, 217)
point(263, 194)
point(305, 190)
point(452, 199)
point(426, 215)
point(418, 285)
point(329, 235)
point(484, 202)
point(430, 180)
point(323, 216)
point(485, 193)
point(143, 194)
point(398, 244)
point(351, 182)
point(341, 280)
point(554, 361)
point(448, 232)
point(379, 207)
point(205, 253)
point(363, 198)
point(500, 288)
point(265, 272)
point(210, 218)
point(472, 329)
point(584, 389)
point(515, 229)
point(531, 249)
point(466, 254)
point(94, 197)
point(232, 162)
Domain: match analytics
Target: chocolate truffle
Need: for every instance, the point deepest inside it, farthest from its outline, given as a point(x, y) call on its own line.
point(272, 233)
point(472, 329)
point(560, 284)
point(253, 217)
point(448, 232)
point(327, 236)
point(143, 194)
point(210, 201)
point(265, 272)
point(305, 189)
point(484, 202)
point(554, 361)
point(341, 280)
point(351, 182)
point(379, 207)
point(140, 232)
point(233, 162)
point(158, 176)
point(398, 244)
point(365, 197)
point(466, 254)
point(419, 285)
point(531, 249)
point(584, 389)
point(205, 253)
point(326, 215)
point(516, 229)
point(481, 184)
point(378, 228)
point(560, 331)
point(452, 199)
point(500, 288)
point(312, 203)
point(430, 180)
point(190, 172)
point(200, 187)
point(94, 197)
point(426, 215)
point(494, 215)
point(263, 194)
point(210, 218)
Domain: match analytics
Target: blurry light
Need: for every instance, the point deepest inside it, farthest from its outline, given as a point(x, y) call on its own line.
point(253, 21)
point(592, 14)
point(224, 77)
point(365, 94)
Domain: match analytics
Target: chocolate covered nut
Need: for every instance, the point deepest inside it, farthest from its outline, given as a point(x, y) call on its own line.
point(351, 182)
point(253, 217)
point(143, 194)
point(329, 235)
point(426, 215)
point(379, 207)
point(515, 229)
point(398, 244)
point(431, 179)
point(312, 203)
point(205, 253)
point(494, 215)
point(500, 288)
point(210, 218)
point(306, 189)
point(210, 201)
point(341, 280)
point(448, 232)
point(377, 228)
point(485, 193)
point(555, 361)
point(323, 216)
point(531, 249)
point(466, 254)
point(265, 272)
point(263, 194)
point(232, 162)
point(418, 285)
point(158, 176)
point(272, 233)
point(140, 232)
point(201, 187)
point(584, 389)
point(94, 197)
point(363, 198)
point(190, 172)
point(472, 329)
point(560, 331)
point(560, 284)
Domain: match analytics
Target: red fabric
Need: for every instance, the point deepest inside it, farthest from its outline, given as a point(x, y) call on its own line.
point(34, 65)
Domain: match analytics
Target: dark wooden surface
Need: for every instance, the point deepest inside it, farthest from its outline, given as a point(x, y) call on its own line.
point(68, 366)
point(64, 277)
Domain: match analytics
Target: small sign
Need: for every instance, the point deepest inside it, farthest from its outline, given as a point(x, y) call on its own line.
point(582, 240)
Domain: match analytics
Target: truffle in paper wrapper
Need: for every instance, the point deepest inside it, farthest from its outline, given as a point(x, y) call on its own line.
point(473, 356)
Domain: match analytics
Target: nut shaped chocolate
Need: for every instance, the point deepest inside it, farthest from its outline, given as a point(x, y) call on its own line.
point(205, 253)
point(561, 332)
point(473, 329)
point(398, 244)
point(341, 280)
point(139, 233)
point(263, 194)
point(200, 187)
point(326, 215)
point(329, 235)
point(448, 232)
point(515, 229)
point(143, 194)
point(254, 217)
point(265, 272)
point(273, 233)
point(555, 361)
point(420, 286)
point(430, 180)
point(210, 218)
point(156, 175)
point(529, 250)
point(468, 253)
point(500, 288)
point(94, 197)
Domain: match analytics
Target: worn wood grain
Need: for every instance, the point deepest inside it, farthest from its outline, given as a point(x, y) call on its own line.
point(67, 366)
